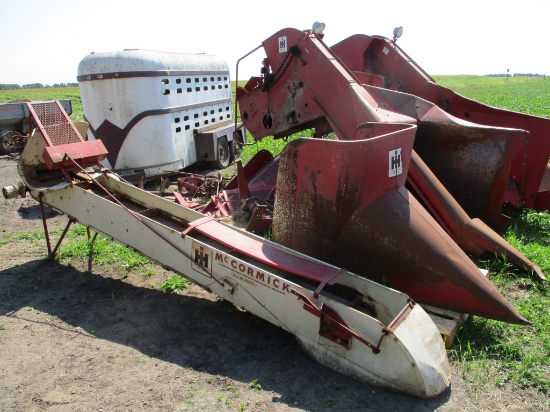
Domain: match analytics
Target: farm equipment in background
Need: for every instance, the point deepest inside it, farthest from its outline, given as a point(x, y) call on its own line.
point(158, 111)
point(14, 126)
point(369, 201)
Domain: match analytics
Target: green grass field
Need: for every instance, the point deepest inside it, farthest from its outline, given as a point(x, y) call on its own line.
point(490, 354)
point(71, 93)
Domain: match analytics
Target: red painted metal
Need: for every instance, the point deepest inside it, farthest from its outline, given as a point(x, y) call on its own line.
point(331, 207)
point(333, 327)
point(268, 254)
point(370, 57)
point(259, 175)
point(340, 201)
point(63, 141)
point(472, 234)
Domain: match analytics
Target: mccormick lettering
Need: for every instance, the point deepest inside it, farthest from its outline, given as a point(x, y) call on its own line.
point(251, 272)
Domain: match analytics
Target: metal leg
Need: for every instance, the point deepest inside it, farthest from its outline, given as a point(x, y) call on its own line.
point(43, 214)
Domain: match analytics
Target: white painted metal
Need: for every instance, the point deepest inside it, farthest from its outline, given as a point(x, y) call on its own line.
point(159, 98)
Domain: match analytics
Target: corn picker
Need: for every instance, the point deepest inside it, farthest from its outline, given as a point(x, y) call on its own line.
point(414, 179)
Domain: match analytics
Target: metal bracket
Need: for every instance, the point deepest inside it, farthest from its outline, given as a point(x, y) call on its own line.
point(333, 327)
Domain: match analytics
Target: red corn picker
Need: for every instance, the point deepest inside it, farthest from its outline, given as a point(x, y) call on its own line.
point(417, 175)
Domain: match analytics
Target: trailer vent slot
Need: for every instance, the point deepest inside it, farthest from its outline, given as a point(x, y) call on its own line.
point(177, 119)
point(165, 81)
point(188, 80)
point(179, 90)
point(178, 129)
point(166, 91)
point(178, 81)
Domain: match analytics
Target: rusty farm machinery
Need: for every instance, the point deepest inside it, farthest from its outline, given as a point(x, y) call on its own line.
point(366, 224)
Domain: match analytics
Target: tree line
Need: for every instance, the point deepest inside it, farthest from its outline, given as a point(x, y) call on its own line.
point(516, 75)
point(6, 86)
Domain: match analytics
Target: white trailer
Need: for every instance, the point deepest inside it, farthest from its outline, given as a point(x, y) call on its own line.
point(158, 111)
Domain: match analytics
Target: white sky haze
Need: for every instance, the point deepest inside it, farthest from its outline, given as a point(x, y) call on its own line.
point(43, 41)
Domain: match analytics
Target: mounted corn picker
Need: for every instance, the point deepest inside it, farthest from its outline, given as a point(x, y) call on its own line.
point(407, 187)
point(344, 321)
point(370, 201)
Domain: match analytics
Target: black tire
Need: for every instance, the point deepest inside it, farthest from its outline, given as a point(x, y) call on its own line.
point(223, 154)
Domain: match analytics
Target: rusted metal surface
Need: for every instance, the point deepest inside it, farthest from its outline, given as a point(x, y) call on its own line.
point(345, 201)
point(374, 57)
point(251, 192)
point(472, 234)
point(62, 138)
point(330, 207)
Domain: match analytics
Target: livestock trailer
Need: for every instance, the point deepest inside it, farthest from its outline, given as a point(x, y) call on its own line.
point(157, 111)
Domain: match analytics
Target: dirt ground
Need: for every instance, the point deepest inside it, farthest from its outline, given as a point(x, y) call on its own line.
point(106, 339)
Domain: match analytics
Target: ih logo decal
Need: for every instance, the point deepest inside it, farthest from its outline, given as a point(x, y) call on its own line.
point(282, 44)
point(201, 259)
point(396, 163)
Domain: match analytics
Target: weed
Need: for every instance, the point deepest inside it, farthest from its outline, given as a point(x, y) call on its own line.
point(242, 407)
point(174, 284)
point(255, 384)
point(30, 309)
point(219, 398)
point(3, 327)
point(229, 388)
point(329, 402)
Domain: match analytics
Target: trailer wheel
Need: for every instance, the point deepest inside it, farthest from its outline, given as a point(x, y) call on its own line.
point(223, 154)
point(11, 142)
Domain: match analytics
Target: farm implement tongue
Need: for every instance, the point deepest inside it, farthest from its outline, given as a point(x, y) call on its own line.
point(345, 201)
point(344, 321)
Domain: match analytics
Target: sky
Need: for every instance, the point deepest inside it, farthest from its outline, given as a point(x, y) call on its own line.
point(44, 41)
